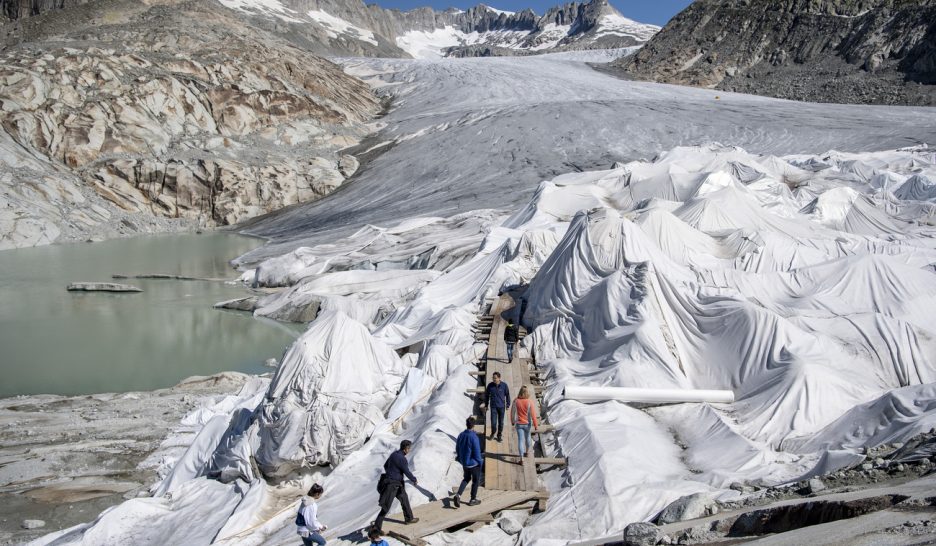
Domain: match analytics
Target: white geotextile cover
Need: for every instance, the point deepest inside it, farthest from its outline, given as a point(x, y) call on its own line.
point(328, 394)
point(707, 268)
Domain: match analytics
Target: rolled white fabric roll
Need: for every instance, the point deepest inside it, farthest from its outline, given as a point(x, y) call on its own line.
point(647, 396)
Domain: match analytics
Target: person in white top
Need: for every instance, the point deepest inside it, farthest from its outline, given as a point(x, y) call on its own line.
point(307, 523)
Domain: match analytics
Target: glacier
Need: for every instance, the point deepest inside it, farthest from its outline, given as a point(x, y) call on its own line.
point(663, 237)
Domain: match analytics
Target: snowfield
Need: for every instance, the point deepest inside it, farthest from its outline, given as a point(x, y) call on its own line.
point(801, 279)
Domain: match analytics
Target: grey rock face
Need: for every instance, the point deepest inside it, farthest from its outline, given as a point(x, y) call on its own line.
point(641, 534)
point(868, 51)
point(689, 507)
point(180, 112)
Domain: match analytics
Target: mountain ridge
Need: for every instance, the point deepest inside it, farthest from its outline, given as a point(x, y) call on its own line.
point(845, 51)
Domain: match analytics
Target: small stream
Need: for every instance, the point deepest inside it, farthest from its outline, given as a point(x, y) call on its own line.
point(57, 342)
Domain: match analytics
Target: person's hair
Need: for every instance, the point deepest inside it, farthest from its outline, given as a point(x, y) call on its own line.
point(316, 490)
point(524, 392)
point(373, 533)
point(470, 422)
point(496, 374)
point(406, 444)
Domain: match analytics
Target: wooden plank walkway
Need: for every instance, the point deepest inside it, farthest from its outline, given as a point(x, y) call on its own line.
point(441, 515)
point(503, 469)
point(508, 481)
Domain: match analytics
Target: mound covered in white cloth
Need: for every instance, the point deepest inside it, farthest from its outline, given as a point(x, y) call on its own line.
point(802, 284)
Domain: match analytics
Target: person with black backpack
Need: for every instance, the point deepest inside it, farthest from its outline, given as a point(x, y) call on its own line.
point(511, 337)
point(390, 486)
point(307, 523)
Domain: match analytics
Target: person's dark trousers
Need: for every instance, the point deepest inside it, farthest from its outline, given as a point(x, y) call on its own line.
point(497, 421)
point(394, 490)
point(510, 348)
point(314, 539)
point(472, 475)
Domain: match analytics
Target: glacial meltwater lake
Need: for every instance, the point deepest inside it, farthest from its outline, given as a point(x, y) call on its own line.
point(58, 342)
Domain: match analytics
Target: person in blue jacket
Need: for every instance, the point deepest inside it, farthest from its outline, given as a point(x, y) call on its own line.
point(468, 454)
point(497, 396)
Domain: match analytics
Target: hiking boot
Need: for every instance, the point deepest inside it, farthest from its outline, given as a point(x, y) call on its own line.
point(474, 502)
point(414, 520)
point(456, 501)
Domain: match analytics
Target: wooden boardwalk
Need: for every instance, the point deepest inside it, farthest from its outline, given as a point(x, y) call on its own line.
point(508, 481)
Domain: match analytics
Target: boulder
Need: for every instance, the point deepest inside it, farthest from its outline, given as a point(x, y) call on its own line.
point(815, 485)
point(512, 522)
point(689, 507)
point(642, 534)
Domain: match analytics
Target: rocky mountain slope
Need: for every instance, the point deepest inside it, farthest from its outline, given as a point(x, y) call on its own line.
point(851, 51)
point(123, 117)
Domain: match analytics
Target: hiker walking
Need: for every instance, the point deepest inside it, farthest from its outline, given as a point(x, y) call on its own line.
point(523, 417)
point(307, 524)
point(497, 396)
point(511, 337)
point(468, 454)
point(391, 485)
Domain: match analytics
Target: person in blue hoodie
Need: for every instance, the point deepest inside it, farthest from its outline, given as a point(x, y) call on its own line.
point(468, 454)
point(497, 396)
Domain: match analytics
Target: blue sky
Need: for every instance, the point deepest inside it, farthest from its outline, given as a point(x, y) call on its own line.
point(657, 12)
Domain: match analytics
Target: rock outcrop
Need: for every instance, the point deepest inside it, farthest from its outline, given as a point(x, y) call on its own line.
point(166, 116)
point(850, 51)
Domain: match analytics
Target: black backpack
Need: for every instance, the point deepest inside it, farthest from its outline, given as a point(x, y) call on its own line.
point(300, 519)
point(382, 483)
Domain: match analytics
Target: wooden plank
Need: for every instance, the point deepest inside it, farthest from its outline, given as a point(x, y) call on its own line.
point(440, 515)
point(476, 526)
point(412, 541)
point(531, 481)
point(557, 461)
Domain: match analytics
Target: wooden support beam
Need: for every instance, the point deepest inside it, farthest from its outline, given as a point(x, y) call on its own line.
point(557, 461)
point(476, 526)
point(412, 541)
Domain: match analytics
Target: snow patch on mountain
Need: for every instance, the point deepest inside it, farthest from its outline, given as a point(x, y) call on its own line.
point(270, 8)
point(618, 25)
point(500, 11)
point(336, 25)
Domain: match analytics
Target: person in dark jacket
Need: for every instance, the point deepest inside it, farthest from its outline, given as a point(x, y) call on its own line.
point(497, 397)
point(468, 454)
point(394, 469)
point(511, 337)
